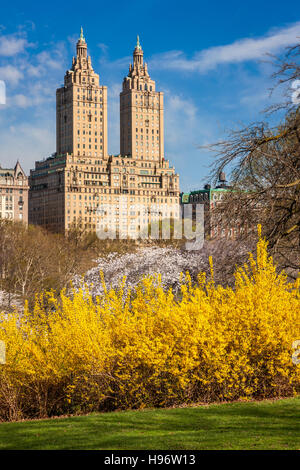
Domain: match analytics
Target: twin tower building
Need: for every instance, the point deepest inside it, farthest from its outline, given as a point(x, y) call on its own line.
point(68, 188)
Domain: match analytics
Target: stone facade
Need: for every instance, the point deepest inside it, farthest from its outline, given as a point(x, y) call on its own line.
point(141, 113)
point(67, 188)
point(14, 194)
point(211, 198)
point(81, 109)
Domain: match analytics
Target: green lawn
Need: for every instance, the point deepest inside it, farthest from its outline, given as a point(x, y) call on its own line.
point(255, 425)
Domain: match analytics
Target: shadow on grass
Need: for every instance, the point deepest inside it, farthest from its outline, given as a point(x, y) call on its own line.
point(258, 425)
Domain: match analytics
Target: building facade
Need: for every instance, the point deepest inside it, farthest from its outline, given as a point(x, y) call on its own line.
point(81, 109)
point(70, 187)
point(14, 194)
point(141, 113)
point(211, 198)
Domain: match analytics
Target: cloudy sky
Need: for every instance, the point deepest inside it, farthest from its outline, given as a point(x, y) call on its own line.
point(209, 58)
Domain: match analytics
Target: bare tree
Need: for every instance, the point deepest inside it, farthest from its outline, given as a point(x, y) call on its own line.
point(265, 174)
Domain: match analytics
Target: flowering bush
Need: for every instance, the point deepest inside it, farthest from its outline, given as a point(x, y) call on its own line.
point(148, 348)
point(169, 262)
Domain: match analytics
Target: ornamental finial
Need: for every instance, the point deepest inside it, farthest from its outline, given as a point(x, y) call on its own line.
point(81, 34)
point(138, 46)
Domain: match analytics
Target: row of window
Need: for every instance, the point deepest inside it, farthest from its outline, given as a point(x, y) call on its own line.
point(90, 140)
point(89, 97)
point(147, 131)
point(89, 154)
point(95, 90)
point(9, 215)
point(87, 132)
point(89, 118)
point(9, 190)
point(90, 146)
point(88, 105)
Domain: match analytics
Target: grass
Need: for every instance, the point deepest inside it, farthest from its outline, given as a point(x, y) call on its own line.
point(254, 426)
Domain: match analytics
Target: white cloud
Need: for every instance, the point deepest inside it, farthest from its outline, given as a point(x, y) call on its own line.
point(73, 40)
point(186, 127)
point(180, 120)
point(30, 142)
point(103, 47)
point(31, 81)
point(115, 65)
point(114, 90)
point(20, 100)
point(37, 95)
point(239, 51)
point(12, 45)
point(10, 74)
point(50, 60)
point(44, 63)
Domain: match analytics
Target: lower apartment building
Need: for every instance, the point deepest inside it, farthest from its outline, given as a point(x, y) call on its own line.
point(66, 191)
point(14, 194)
point(210, 198)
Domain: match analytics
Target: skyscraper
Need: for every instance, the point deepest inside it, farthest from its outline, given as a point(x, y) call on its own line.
point(141, 113)
point(81, 109)
point(67, 188)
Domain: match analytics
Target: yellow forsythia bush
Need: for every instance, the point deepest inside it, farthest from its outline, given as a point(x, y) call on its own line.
point(75, 354)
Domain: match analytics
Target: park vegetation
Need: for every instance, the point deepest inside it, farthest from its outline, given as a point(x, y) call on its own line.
point(146, 348)
point(156, 325)
point(264, 163)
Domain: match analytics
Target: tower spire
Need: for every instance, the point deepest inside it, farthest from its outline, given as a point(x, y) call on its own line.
point(81, 46)
point(138, 54)
point(81, 34)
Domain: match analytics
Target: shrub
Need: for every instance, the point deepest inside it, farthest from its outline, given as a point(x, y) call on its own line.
point(124, 350)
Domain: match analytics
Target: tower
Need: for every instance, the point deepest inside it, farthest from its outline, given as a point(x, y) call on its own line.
point(65, 187)
point(81, 109)
point(141, 113)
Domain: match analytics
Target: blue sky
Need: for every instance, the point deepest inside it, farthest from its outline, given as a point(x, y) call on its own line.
point(209, 58)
